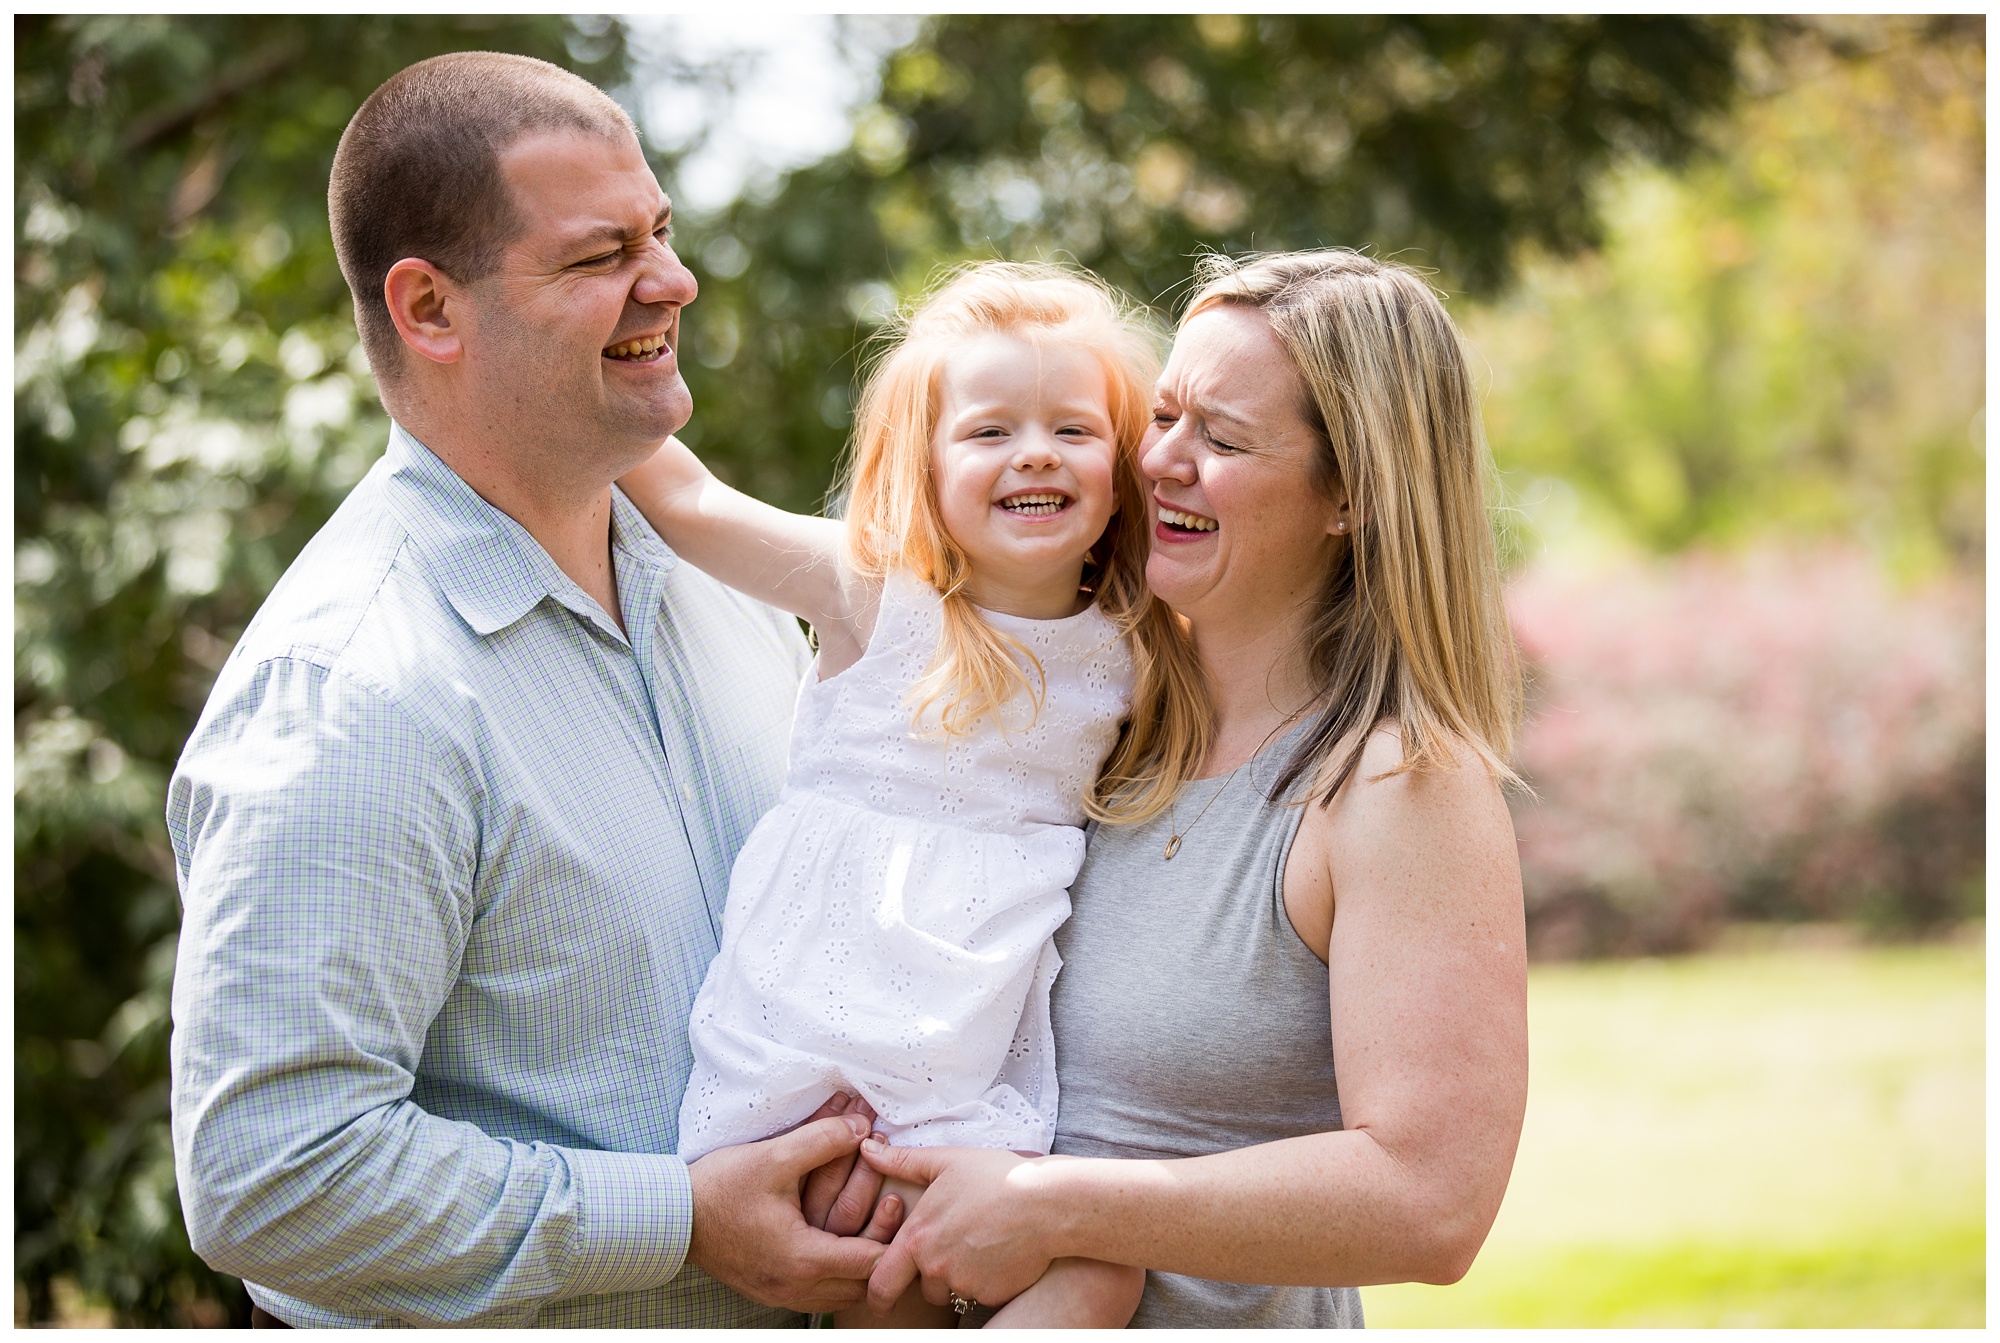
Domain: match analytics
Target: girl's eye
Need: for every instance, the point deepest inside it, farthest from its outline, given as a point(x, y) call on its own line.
point(1219, 445)
point(1163, 418)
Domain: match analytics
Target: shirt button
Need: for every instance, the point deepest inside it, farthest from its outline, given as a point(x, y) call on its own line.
point(687, 793)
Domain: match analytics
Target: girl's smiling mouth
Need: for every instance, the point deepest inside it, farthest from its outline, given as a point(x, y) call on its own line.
point(1035, 503)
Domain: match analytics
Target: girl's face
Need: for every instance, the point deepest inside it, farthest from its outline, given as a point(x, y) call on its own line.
point(1023, 458)
point(1243, 531)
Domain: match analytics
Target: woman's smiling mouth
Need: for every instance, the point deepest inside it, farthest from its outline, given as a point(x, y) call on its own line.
point(641, 350)
point(1185, 522)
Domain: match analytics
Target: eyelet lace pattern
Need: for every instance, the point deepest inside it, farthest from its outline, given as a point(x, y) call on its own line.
point(889, 921)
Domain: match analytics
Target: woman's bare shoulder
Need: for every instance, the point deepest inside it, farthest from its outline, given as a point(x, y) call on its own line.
point(1403, 818)
point(1379, 784)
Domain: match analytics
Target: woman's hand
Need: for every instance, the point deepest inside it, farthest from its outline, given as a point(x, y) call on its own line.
point(976, 1231)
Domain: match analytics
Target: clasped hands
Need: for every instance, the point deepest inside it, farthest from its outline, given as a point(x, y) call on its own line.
point(796, 1221)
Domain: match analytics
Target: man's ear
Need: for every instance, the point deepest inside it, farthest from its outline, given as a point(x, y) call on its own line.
point(429, 311)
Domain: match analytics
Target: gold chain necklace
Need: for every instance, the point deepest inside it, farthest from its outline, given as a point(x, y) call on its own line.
point(1175, 834)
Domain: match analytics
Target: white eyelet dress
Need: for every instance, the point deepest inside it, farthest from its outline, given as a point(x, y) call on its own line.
point(889, 921)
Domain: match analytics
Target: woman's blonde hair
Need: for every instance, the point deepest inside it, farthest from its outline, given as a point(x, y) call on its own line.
point(894, 521)
point(1409, 624)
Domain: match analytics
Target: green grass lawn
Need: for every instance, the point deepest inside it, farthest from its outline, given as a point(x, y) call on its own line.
point(1773, 1138)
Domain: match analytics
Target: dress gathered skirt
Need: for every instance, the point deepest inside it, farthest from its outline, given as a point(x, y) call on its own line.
point(890, 921)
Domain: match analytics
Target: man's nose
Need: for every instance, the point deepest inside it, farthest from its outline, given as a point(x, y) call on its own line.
point(663, 279)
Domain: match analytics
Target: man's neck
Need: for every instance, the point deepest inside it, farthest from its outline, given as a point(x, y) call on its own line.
point(571, 520)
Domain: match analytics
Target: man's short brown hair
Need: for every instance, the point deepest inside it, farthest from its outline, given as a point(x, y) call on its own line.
point(417, 173)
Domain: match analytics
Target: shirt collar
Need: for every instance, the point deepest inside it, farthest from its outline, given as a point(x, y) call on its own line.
point(488, 566)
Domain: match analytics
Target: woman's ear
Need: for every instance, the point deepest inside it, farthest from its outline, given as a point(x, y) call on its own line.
point(1341, 521)
point(428, 309)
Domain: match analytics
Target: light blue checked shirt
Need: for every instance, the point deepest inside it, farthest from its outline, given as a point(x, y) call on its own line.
point(454, 854)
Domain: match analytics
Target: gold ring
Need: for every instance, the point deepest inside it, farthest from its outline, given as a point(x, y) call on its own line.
point(961, 1304)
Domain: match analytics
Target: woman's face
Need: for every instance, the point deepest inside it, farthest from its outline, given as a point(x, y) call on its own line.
point(1243, 532)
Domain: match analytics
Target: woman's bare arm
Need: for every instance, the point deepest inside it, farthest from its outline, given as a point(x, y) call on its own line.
point(1428, 982)
point(789, 560)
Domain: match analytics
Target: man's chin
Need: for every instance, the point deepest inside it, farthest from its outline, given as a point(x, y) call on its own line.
point(652, 423)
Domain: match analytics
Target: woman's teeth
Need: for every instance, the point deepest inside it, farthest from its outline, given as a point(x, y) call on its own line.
point(1037, 505)
point(1187, 522)
point(642, 348)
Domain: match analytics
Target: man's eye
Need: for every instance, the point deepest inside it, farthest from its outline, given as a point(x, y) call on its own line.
point(603, 259)
point(1219, 445)
point(1163, 417)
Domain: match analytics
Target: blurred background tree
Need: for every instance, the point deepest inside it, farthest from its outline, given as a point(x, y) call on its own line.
point(1749, 296)
point(1127, 144)
point(188, 409)
point(1788, 337)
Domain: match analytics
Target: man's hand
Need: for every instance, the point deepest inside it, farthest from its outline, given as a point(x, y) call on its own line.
point(840, 1196)
point(749, 1231)
point(975, 1232)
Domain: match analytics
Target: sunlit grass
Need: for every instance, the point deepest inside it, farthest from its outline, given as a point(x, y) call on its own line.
point(1777, 1138)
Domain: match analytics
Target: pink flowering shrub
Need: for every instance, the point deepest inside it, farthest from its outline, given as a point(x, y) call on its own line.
point(1777, 735)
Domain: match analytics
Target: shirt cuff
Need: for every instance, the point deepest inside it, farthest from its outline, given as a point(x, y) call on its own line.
point(637, 1213)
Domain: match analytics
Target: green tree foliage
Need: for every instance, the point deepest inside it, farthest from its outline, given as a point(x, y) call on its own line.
point(1127, 144)
point(190, 405)
point(189, 408)
point(1786, 338)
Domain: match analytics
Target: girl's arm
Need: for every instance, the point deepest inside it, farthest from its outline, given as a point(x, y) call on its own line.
point(1428, 982)
point(790, 561)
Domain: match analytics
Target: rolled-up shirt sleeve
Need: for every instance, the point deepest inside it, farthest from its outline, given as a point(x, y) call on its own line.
point(329, 853)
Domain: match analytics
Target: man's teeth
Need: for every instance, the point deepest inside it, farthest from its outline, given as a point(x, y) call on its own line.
point(1187, 521)
point(640, 348)
point(1039, 505)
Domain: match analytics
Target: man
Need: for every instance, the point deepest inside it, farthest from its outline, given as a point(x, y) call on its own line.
point(454, 831)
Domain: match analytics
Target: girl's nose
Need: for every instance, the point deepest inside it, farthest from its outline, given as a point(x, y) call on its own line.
point(1036, 449)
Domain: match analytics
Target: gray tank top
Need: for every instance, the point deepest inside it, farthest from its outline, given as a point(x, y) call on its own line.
point(1190, 1018)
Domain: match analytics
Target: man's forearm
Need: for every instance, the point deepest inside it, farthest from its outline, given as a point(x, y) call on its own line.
point(402, 1215)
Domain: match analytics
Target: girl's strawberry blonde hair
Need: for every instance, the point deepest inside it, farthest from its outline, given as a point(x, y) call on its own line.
point(894, 521)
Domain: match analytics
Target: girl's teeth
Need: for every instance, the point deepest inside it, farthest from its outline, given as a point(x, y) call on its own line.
point(1037, 505)
point(1186, 521)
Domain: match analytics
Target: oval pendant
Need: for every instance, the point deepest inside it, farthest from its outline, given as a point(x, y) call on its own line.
point(1173, 846)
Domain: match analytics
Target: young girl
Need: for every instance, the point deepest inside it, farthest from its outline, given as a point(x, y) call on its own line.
point(983, 626)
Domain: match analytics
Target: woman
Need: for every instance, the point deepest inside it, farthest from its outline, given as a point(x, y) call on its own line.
point(1337, 888)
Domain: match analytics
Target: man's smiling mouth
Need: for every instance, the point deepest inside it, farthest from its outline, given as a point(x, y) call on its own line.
point(1039, 505)
point(643, 350)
